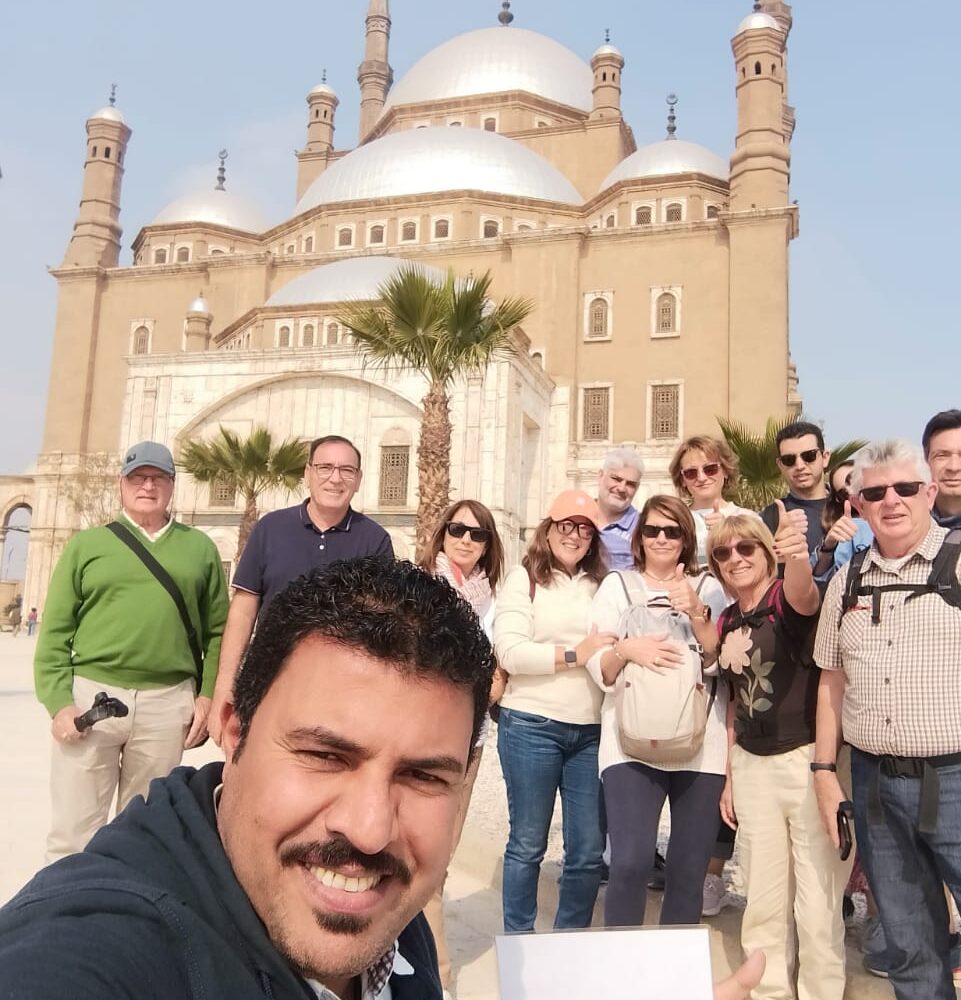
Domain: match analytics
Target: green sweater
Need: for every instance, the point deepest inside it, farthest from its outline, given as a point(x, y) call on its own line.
point(108, 619)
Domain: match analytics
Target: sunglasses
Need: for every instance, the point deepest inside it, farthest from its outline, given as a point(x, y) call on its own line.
point(582, 529)
point(807, 457)
point(875, 494)
point(671, 531)
point(711, 469)
point(479, 535)
point(745, 549)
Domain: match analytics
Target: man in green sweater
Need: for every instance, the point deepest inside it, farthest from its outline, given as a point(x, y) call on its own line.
point(109, 625)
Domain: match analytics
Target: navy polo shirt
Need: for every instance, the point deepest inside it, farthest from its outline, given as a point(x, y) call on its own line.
point(286, 544)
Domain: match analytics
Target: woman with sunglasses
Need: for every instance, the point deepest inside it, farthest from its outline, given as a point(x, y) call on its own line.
point(793, 876)
point(844, 532)
point(549, 726)
point(665, 580)
point(701, 469)
point(466, 551)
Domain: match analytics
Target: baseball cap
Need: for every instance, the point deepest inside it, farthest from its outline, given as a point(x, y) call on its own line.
point(574, 503)
point(148, 453)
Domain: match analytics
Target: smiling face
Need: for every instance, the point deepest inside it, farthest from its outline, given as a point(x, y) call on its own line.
point(570, 549)
point(615, 489)
point(661, 554)
point(899, 523)
point(146, 493)
point(462, 552)
point(333, 486)
point(743, 575)
point(708, 483)
point(338, 813)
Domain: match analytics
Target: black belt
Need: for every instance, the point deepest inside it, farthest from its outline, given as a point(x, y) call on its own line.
point(925, 768)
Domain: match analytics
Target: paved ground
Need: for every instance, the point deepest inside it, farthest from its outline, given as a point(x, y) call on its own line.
point(473, 886)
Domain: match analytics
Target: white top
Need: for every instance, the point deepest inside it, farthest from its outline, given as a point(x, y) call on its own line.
point(728, 509)
point(609, 604)
point(525, 636)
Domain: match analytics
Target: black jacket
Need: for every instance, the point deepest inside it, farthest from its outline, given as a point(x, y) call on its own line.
point(151, 910)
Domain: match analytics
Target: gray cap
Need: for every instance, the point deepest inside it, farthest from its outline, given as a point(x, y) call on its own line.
point(148, 453)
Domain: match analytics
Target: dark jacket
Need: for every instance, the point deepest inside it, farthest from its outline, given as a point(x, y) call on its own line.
point(151, 910)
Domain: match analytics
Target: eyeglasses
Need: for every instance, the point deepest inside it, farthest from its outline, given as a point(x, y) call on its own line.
point(581, 528)
point(671, 531)
point(479, 535)
point(138, 480)
point(348, 473)
point(807, 457)
point(875, 494)
point(744, 548)
point(843, 494)
point(711, 469)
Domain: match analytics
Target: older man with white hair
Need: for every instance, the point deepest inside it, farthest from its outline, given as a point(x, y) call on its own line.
point(617, 482)
point(889, 647)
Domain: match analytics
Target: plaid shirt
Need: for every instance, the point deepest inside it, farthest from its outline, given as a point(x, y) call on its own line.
point(903, 693)
point(375, 981)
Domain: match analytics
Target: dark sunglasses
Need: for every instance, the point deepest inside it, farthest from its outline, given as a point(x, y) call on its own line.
point(711, 469)
point(457, 530)
point(582, 529)
point(874, 494)
point(745, 549)
point(807, 457)
point(671, 531)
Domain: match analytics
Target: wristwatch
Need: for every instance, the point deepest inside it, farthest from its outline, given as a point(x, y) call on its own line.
point(818, 766)
point(704, 616)
point(570, 657)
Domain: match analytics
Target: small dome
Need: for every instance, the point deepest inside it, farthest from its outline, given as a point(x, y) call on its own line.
point(217, 208)
point(607, 50)
point(199, 305)
point(323, 88)
point(358, 278)
point(432, 160)
point(109, 114)
point(757, 20)
point(493, 61)
point(671, 156)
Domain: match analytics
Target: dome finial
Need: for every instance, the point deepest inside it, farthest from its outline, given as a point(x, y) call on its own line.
point(221, 171)
point(113, 94)
point(671, 117)
point(323, 75)
point(757, 7)
point(505, 16)
point(607, 36)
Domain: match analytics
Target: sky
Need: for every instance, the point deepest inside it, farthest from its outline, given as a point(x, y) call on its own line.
point(874, 316)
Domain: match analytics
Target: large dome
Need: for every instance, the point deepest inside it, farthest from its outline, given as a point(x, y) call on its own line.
point(432, 160)
point(671, 156)
point(217, 208)
point(346, 280)
point(494, 61)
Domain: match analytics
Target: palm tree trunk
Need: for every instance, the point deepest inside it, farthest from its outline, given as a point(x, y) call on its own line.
point(433, 463)
point(247, 523)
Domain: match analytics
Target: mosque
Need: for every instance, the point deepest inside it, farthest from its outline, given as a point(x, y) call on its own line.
point(659, 277)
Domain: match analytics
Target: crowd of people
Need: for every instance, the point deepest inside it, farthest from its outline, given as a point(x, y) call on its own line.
point(783, 676)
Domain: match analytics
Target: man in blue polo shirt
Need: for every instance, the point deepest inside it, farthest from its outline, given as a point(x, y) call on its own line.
point(288, 543)
point(617, 483)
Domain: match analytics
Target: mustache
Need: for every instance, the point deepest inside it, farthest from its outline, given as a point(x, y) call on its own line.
point(339, 851)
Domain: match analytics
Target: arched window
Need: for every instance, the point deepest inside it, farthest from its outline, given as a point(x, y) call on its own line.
point(538, 358)
point(309, 335)
point(94, 153)
point(160, 256)
point(408, 232)
point(757, 69)
point(333, 334)
point(216, 252)
point(712, 211)
point(283, 338)
point(183, 255)
point(673, 213)
point(106, 152)
point(490, 124)
point(455, 124)
point(491, 228)
point(290, 248)
point(345, 237)
point(441, 229)
point(309, 244)
point(609, 222)
point(542, 124)
point(141, 340)
point(643, 215)
point(666, 313)
point(376, 234)
point(525, 227)
point(598, 318)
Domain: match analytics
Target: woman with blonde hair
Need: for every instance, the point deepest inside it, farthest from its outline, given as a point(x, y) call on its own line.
point(549, 726)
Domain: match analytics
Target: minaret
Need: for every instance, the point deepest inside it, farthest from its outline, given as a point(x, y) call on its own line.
point(314, 158)
point(607, 63)
point(197, 325)
point(374, 74)
point(96, 232)
point(760, 166)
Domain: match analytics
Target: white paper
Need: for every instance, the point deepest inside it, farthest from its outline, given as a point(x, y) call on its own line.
point(635, 963)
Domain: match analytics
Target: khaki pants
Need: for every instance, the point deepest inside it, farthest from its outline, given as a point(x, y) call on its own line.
point(434, 910)
point(794, 878)
point(116, 755)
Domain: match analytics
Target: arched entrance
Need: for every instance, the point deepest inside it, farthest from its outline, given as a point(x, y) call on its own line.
point(14, 535)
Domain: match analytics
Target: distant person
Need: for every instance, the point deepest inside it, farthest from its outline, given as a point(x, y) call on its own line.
point(287, 543)
point(15, 616)
point(617, 483)
point(111, 625)
point(32, 618)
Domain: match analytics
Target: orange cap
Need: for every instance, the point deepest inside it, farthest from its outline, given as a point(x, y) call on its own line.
point(574, 503)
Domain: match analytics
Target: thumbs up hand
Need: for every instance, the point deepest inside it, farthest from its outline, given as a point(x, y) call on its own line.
point(843, 530)
point(680, 592)
point(790, 539)
point(714, 515)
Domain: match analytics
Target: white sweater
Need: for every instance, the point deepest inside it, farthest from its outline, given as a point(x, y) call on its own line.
point(609, 604)
point(525, 637)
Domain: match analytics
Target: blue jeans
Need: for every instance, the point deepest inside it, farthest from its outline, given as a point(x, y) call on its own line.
point(905, 869)
point(538, 757)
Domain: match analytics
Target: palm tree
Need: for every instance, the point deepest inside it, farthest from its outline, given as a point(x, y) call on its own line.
point(443, 329)
point(759, 482)
point(251, 467)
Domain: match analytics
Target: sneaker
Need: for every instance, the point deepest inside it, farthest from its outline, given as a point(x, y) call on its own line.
point(655, 878)
point(714, 893)
point(877, 964)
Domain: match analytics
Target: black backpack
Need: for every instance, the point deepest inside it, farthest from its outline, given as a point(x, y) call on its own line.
point(732, 618)
point(942, 580)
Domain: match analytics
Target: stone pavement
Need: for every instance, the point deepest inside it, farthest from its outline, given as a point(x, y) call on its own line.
point(473, 887)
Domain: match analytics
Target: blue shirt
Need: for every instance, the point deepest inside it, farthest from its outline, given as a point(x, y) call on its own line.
point(286, 544)
point(844, 551)
point(616, 538)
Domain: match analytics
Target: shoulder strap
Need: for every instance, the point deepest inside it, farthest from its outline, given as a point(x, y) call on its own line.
point(700, 583)
point(943, 579)
point(853, 582)
point(166, 581)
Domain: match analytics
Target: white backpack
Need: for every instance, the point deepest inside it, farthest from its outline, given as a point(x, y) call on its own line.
point(661, 717)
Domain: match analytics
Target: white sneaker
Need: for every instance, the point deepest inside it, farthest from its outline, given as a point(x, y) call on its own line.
point(714, 893)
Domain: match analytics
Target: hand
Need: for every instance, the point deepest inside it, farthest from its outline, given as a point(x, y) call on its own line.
point(681, 594)
point(714, 516)
point(591, 643)
point(498, 685)
point(830, 795)
point(656, 652)
point(739, 986)
point(843, 530)
point(790, 539)
point(727, 805)
point(63, 728)
point(222, 695)
point(197, 734)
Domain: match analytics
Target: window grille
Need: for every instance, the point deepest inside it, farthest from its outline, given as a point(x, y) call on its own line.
point(664, 411)
point(394, 468)
point(598, 318)
point(596, 414)
point(673, 213)
point(141, 340)
point(222, 494)
point(642, 216)
point(666, 313)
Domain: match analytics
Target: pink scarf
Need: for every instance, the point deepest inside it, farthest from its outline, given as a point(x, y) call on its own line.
point(475, 589)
